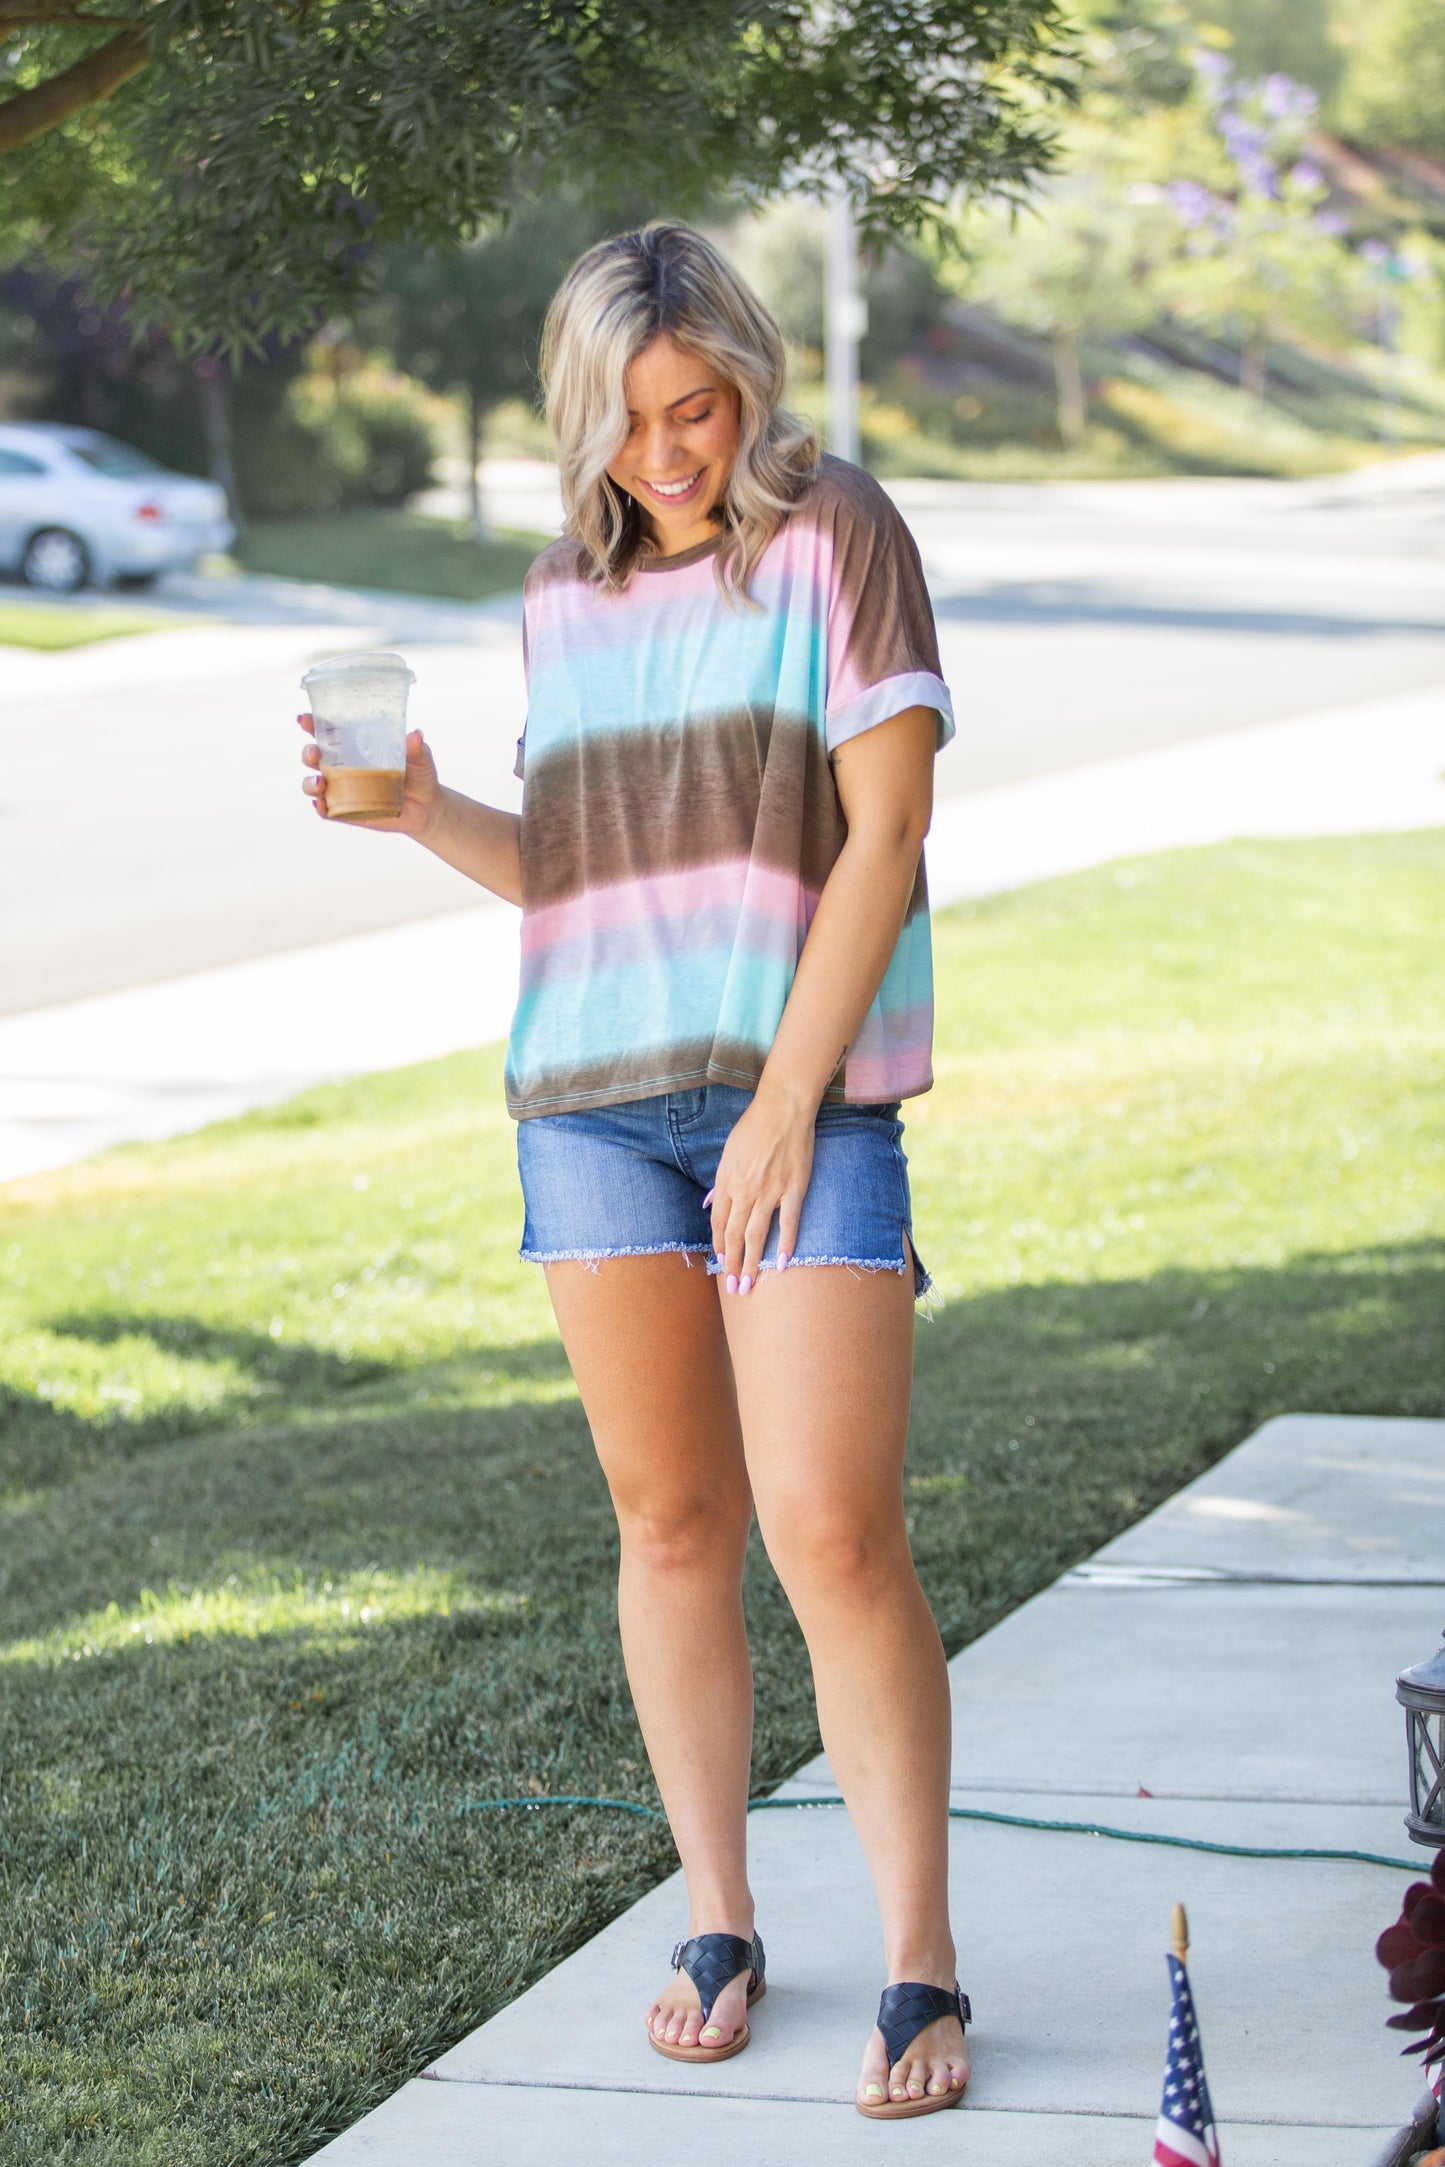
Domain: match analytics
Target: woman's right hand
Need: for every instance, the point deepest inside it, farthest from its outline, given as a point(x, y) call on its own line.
point(422, 794)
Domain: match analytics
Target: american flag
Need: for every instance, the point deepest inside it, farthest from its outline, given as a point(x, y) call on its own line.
point(1185, 2136)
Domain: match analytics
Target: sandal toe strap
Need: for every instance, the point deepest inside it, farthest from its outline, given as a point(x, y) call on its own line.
point(904, 2011)
point(711, 1960)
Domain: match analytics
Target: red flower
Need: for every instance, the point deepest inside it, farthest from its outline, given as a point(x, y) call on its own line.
point(1413, 1951)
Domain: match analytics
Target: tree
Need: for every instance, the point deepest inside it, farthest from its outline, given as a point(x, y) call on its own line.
point(1261, 257)
point(231, 166)
point(469, 320)
point(1078, 266)
point(1280, 37)
point(780, 253)
point(1394, 87)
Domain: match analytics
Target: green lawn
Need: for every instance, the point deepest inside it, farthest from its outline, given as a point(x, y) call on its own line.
point(399, 551)
point(1149, 416)
point(303, 1544)
point(53, 625)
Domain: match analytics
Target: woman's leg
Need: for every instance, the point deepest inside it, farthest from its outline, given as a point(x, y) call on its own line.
point(645, 1340)
point(823, 1358)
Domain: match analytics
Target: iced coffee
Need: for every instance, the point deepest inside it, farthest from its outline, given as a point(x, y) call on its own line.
point(358, 706)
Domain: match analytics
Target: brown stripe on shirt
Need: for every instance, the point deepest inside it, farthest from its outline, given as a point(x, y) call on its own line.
point(649, 1072)
point(629, 804)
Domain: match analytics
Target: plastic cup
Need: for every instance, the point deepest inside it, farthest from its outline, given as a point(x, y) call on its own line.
point(358, 704)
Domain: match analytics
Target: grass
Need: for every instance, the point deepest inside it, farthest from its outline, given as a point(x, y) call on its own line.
point(304, 1545)
point(402, 552)
point(53, 626)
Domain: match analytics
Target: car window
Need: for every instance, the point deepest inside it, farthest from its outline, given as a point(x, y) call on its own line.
point(118, 462)
point(19, 462)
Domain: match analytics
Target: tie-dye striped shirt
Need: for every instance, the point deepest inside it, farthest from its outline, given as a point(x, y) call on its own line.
point(679, 815)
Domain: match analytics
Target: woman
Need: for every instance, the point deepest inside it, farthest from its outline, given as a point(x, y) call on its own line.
point(734, 705)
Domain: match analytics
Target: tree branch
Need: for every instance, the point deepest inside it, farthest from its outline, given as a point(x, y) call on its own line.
point(18, 16)
point(34, 14)
point(34, 112)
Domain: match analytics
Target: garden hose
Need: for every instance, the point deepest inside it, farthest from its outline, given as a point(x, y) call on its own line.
point(979, 1813)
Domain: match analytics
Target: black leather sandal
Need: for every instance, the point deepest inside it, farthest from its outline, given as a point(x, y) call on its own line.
point(710, 1961)
point(904, 2012)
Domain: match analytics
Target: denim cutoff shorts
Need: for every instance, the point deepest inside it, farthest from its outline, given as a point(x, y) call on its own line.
point(629, 1180)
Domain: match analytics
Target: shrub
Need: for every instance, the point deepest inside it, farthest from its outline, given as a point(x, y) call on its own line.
point(370, 437)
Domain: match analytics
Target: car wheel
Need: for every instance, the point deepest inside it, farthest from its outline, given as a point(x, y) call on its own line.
point(56, 561)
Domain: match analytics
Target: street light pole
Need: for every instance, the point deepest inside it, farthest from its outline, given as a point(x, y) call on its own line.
point(845, 321)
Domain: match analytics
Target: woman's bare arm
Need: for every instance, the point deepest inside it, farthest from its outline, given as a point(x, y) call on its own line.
point(478, 840)
point(885, 785)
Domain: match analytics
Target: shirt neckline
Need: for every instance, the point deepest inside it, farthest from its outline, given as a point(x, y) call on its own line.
point(682, 557)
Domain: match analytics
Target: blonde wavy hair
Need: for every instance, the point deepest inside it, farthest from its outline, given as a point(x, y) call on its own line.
point(613, 302)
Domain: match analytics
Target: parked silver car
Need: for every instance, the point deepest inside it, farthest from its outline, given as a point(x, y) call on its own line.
point(78, 508)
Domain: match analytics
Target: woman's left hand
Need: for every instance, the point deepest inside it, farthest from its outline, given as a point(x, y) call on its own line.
point(766, 1165)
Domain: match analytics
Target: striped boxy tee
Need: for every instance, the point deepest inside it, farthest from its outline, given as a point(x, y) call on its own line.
point(679, 814)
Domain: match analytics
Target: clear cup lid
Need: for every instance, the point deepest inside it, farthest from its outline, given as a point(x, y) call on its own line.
point(357, 666)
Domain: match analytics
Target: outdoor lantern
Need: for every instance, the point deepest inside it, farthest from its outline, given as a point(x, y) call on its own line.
point(1420, 1690)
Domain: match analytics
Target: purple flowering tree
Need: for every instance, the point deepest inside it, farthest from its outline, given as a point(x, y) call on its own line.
point(1259, 255)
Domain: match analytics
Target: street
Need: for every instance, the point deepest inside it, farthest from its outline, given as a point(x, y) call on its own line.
point(151, 814)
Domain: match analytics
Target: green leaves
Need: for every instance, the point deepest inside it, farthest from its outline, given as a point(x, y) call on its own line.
point(267, 150)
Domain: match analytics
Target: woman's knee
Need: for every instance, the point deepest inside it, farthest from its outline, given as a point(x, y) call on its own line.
point(684, 1532)
point(844, 1555)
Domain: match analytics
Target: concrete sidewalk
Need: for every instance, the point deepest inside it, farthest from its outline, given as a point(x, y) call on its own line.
point(161, 1059)
point(1224, 1671)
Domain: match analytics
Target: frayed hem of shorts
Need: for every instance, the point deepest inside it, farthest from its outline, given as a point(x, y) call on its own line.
point(593, 1258)
point(903, 1267)
point(854, 1264)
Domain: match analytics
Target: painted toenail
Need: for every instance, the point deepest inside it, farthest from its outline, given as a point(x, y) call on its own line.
point(712, 2031)
point(872, 2091)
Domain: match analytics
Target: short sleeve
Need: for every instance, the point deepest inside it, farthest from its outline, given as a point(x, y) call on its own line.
point(519, 765)
point(882, 642)
point(556, 566)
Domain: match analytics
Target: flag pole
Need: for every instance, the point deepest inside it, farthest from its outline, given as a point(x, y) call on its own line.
point(1184, 2135)
point(1179, 1932)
